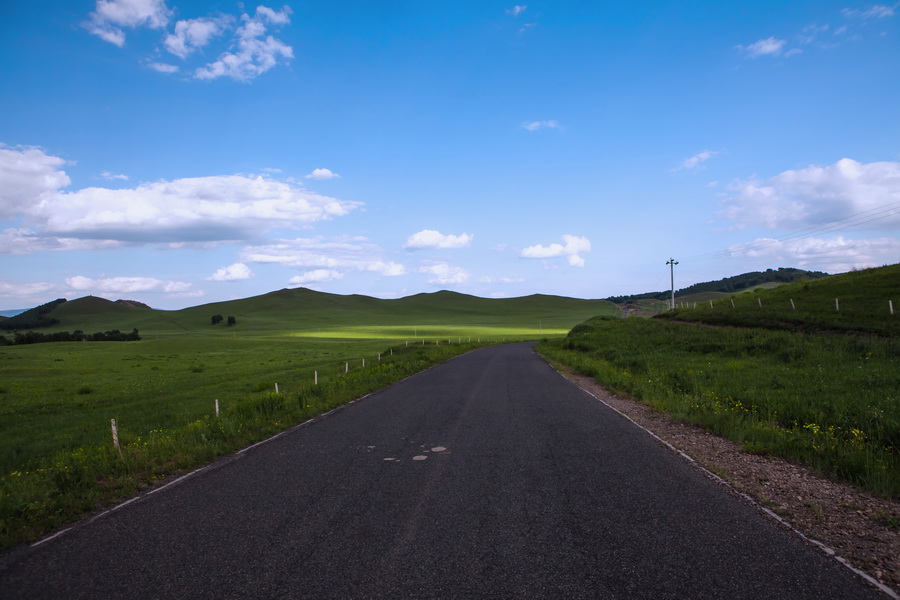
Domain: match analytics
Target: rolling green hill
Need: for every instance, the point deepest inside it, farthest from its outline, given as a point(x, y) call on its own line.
point(304, 312)
point(858, 301)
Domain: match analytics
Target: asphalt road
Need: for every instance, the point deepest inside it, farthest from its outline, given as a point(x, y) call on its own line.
point(490, 476)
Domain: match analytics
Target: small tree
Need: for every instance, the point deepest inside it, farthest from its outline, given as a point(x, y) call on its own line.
point(231, 320)
point(216, 319)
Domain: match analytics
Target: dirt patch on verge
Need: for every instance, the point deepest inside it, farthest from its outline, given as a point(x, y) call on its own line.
point(861, 529)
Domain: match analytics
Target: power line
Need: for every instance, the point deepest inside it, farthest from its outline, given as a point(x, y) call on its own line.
point(848, 222)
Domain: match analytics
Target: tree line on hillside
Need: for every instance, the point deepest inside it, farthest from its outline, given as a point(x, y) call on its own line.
point(728, 284)
point(33, 337)
point(34, 318)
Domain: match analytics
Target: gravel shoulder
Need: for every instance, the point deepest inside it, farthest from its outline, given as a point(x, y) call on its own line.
point(860, 528)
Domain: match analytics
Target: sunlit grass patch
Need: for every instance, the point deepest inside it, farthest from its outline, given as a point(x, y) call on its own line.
point(431, 333)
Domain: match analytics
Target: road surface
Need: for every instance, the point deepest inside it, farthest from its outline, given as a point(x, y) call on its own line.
point(490, 476)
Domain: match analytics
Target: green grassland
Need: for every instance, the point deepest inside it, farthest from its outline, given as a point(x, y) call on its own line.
point(812, 384)
point(57, 399)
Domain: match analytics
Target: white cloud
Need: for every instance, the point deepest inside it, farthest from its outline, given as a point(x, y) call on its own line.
point(125, 285)
point(28, 177)
point(504, 280)
point(767, 47)
point(444, 274)
point(820, 195)
point(194, 209)
point(110, 16)
point(108, 175)
point(322, 174)
point(536, 125)
point(571, 248)
point(235, 272)
point(163, 67)
point(342, 255)
point(192, 34)
point(316, 276)
point(256, 51)
point(697, 160)
point(834, 255)
point(24, 241)
point(24, 290)
point(227, 207)
point(516, 10)
point(429, 238)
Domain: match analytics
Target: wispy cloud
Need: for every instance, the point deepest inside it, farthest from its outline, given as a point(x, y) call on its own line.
point(163, 67)
point(768, 47)
point(876, 11)
point(696, 161)
point(836, 254)
point(537, 125)
point(109, 176)
point(313, 254)
point(516, 10)
point(125, 285)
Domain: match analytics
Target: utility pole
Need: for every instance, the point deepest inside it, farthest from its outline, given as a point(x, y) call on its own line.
point(672, 262)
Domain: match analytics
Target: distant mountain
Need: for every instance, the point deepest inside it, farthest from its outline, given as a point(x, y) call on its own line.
point(728, 285)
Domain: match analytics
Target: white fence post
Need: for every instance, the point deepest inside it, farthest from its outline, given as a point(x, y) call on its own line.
point(759, 301)
point(891, 306)
point(217, 407)
point(837, 306)
point(115, 433)
point(732, 302)
point(276, 388)
point(792, 305)
point(315, 378)
point(346, 367)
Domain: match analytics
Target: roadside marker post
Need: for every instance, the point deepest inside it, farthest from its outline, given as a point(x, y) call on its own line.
point(217, 407)
point(891, 306)
point(115, 433)
point(315, 378)
point(792, 305)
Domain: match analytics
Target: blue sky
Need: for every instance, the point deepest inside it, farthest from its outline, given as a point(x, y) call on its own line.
point(181, 152)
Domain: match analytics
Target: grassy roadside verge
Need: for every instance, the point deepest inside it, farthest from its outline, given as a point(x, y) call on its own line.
point(67, 483)
point(829, 401)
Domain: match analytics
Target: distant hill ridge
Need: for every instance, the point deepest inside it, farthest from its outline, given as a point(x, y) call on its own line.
point(302, 309)
point(728, 285)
